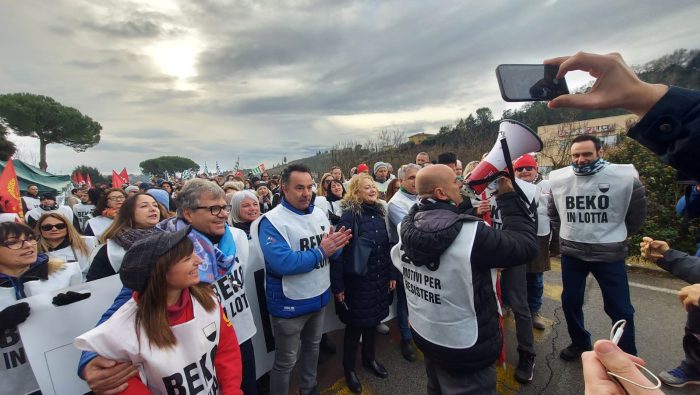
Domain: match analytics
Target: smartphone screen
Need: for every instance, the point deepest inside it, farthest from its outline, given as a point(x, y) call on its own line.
point(529, 82)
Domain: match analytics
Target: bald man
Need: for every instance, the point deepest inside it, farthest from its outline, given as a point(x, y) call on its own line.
point(452, 306)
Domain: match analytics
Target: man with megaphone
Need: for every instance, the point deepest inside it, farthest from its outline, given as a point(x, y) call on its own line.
point(595, 205)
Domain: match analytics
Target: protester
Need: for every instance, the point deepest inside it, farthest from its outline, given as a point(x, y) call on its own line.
point(24, 273)
point(422, 158)
point(161, 197)
point(513, 281)
point(446, 258)
point(30, 199)
point(85, 209)
point(167, 186)
point(160, 327)
point(525, 168)
point(297, 277)
point(244, 210)
point(362, 168)
point(362, 300)
point(337, 174)
point(233, 186)
point(106, 210)
point(688, 206)
point(595, 205)
point(448, 159)
point(381, 178)
point(336, 193)
point(131, 190)
point(8, 217)
point(201, 205)
point(49, 205)
point(392, 188)
point(686, 268)
point(669, 124)
point(137, 219)
point(399, 206)
point(264, 196)
point(459, 168)
point(322, 189)
point(58, 238)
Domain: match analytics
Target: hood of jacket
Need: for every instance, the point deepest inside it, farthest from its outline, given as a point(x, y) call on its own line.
point(429, 229)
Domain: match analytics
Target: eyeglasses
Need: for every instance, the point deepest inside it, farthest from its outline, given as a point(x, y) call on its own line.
point(525, 168)
point(116, 198)
point(16, 244)
point(215, 210)
point(48, 227)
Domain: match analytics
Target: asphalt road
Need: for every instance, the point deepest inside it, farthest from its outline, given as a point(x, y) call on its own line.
point(659, 325)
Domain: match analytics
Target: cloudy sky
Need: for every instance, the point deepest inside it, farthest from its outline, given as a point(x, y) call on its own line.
point(215, 80)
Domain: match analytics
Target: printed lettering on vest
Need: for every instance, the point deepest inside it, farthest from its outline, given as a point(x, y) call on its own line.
point(226, 288)
point(309, 243)
point(600, 202)
point(15, 356)
point(188, 381)
point(416, 283)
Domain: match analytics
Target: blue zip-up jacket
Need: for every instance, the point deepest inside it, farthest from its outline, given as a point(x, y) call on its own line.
point(281, 260)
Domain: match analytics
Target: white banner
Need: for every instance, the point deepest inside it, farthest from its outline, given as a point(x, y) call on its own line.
point(49, 331)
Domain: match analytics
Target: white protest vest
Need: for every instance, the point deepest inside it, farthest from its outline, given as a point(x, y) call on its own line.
point(65, 211)
point(9, 217)
point(84, 212)
point(31, 202)
point(67, 254)
point(322, 204)
point(544, 191)
point(99, 225)
point(302, 232)
point(231, 292)
point(16, 376)
point(401, 200)
point(593, 208)
point(530, 191)
point(441, 303)
point(115, 253)
point(188, 365)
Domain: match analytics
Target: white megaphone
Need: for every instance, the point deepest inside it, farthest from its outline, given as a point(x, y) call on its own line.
point(518, 138)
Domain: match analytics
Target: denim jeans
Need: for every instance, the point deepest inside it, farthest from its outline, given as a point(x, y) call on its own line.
point(613, 283)
point(535, 289)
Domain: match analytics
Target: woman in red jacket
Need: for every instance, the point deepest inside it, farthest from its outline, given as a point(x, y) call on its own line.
point(173, 329)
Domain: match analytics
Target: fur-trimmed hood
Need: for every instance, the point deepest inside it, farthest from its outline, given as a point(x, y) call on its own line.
point(44, 267)
point(356, 207)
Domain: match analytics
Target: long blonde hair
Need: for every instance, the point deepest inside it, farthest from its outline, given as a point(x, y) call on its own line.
point(321, 190)
point(76, 242)
point(352, 196)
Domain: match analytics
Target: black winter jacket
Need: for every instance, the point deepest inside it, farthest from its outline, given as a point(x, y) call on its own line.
point(430, 228)
point(367, 297)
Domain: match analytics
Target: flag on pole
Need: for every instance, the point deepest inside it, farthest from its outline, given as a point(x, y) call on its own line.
point(9, 189)
point(206, 169)
point(88, 181)
point(79, 178)
point(124, 176)
point(117, 180)
point(238, 164)
point(218, 169)
point(258, 170)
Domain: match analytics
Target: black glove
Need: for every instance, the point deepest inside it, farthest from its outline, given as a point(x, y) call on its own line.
point(14, 315)
point(69, 297)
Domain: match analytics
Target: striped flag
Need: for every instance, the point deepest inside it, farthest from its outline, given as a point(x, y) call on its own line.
point(206, 169)
point(258, 170)
point(218, 169)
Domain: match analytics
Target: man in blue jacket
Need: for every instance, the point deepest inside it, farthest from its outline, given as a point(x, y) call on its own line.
point(296, 241)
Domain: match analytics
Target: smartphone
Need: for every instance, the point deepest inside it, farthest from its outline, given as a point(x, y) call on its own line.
point(530, 82)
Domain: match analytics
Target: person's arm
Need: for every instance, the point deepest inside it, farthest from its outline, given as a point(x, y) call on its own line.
point(123, 297)
point(513, 245)
point(337, 281)
point(280, 257)
point(608, 357)
point(678, 263)
point(637, 210)
point(228, 365)
point(555, 224)
point(100, 266)
point(396, 214)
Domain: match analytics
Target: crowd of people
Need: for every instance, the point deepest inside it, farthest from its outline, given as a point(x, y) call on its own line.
point(454, 262)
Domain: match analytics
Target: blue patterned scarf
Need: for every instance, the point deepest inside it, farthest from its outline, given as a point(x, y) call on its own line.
point(216, 260)
point(591, 168)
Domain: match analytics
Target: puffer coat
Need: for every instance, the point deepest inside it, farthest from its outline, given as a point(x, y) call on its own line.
point(367, 297)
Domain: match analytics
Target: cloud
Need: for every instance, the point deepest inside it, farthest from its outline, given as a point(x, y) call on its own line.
point(260, 80)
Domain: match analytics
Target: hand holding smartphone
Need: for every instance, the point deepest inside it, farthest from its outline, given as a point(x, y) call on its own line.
point(530, 82)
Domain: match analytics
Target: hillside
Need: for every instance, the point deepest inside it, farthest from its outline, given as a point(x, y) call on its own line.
point(470, 137)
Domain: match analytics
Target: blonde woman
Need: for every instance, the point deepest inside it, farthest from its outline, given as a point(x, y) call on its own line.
point(59, 238)
point(362, 301)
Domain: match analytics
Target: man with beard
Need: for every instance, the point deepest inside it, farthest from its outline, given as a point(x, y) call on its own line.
point(381, 178)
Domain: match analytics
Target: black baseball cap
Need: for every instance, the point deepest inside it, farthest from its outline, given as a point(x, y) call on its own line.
point(140, 258)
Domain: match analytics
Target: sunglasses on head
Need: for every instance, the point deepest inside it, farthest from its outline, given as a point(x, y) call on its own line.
point(48, 227)
point(525, 168)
